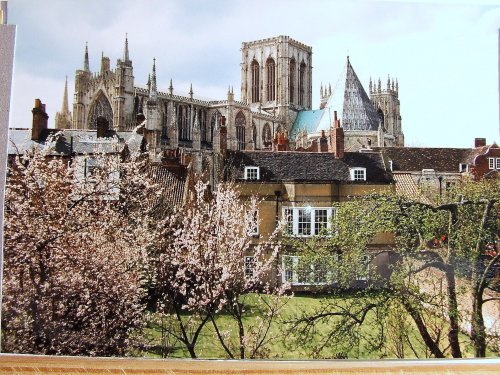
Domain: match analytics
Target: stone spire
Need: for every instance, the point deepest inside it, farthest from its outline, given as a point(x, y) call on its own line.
point(171, 87)
point(126, 58)
point(63, 118)
point(153, 91)
point(86, 59)
point(65, 108)
point(191, 91)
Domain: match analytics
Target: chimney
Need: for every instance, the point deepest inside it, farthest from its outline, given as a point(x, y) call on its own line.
point(337, 138)
point(323, 142)
point(479, 142)
point(40, 118)
point(223, 135)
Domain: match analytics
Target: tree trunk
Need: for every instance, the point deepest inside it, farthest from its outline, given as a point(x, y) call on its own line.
point(429, 342)
point(453, 313)
point(478, 331)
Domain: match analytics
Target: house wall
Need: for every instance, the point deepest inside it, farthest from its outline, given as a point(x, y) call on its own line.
point(293, 194)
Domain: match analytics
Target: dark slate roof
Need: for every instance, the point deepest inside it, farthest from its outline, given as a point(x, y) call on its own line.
point(78, 141)
point(305, 166)
point(372, 161)
point(411, 159)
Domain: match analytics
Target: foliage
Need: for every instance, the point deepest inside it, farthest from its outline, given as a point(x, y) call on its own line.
point(74, 252)
point(452, 242)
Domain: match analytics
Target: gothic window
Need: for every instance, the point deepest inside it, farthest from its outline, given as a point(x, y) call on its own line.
point(302, 78)
point(266, 136)
point(164, 126)
point(100, 108)
point(183, 123)
point(254, 67)
point(381, 116)
point(254, 135)
point(271, 78)
point(291, 83)
point(240, 123)
point(205, 132)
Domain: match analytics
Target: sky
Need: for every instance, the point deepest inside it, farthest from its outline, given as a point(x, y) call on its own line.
point(444, 54)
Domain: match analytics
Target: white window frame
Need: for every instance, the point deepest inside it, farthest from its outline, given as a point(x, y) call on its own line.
point(365, 271)
point(497, 162)
point(354, 171)
point(249, 265)
point(390, 165)
point(249, 173)
point(491, 163)
point(463, 167)
point(252, 220)
point(291, 217)
point(290, 274)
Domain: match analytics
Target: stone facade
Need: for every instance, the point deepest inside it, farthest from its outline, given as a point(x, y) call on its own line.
point(276, 87)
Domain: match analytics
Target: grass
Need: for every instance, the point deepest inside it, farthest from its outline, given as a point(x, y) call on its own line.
point(283, 345)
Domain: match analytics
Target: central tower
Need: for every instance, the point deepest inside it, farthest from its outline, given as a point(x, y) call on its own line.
point(276, 76)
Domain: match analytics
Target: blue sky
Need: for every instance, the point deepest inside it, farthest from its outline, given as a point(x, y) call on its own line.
point(443, 53)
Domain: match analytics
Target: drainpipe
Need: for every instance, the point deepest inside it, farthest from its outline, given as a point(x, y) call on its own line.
point(277, 193)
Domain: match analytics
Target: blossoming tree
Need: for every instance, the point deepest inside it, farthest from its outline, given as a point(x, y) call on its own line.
point(75, 241)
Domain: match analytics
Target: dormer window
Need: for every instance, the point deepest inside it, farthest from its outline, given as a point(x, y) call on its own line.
point(252, 173)
point(463, 167)
point(358, 174)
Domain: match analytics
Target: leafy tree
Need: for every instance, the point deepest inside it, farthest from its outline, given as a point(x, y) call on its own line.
point(454, 240)
point(75, 243)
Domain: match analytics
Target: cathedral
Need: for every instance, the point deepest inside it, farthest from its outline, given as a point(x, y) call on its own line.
point(276, 103)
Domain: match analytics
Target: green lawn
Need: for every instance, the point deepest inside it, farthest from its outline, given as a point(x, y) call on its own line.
point(283, 346)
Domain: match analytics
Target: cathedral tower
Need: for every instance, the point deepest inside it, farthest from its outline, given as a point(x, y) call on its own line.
point(276, 76)
point(82, 81)
point(123, 98)
point(386, 101)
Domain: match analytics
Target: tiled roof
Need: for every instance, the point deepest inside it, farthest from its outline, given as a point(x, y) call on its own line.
point(305, 166)
point(76, 141)
point(417, 158)
point(406, 186)
point(173, 181)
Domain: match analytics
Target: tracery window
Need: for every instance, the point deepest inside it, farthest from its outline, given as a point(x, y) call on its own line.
point(291, 83)
point(254, 135)
point(100, 108)
point(302, 77)
point(271, 78)
point(183, 123)
point(267, 135)
point(240, 123)
point(205, 131)
point(254, 67)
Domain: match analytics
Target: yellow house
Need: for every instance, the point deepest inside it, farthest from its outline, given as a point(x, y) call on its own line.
point(301, 188)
